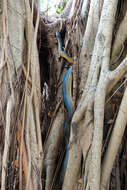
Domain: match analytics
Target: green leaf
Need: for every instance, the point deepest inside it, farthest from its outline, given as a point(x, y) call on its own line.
point(59, 9)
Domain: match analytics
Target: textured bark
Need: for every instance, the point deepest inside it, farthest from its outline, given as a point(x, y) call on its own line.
point(114, 142)
point(18, 45)
point(31, 106)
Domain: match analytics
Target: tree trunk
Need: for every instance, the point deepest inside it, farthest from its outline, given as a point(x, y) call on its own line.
point(33, 113)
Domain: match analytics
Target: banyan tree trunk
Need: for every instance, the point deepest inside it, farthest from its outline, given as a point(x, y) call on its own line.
point(32, 110)
point(21, 145)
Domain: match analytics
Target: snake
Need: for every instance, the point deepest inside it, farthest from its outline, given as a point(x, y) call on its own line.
point(67, 98)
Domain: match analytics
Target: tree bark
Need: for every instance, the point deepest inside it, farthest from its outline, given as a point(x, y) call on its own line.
point(32, 111)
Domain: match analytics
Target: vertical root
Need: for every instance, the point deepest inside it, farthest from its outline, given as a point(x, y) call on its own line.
point(7, 142)
point(114, 142)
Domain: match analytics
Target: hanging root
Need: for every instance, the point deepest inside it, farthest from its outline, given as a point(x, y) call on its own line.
point(7, 141)
point(114, 142)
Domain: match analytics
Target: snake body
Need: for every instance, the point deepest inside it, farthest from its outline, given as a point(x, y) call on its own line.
point(67, 92)
point(67, 97)
point(60, 49)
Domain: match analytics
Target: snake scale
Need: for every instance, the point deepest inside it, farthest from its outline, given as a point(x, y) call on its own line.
point(67, 98)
